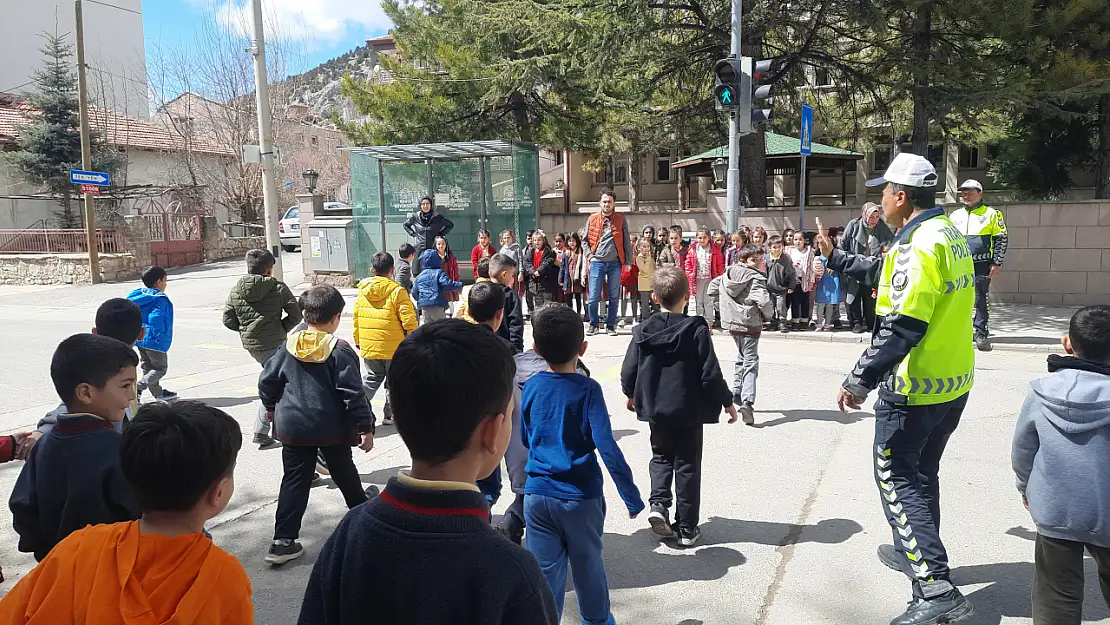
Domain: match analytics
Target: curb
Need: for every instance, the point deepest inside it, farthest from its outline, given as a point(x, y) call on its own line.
point(864, 339)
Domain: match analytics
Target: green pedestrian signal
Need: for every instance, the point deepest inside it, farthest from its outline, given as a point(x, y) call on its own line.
point(726, 91)
point(725, 95)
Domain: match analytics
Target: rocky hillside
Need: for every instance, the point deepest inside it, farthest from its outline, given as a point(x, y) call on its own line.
point(318, 88)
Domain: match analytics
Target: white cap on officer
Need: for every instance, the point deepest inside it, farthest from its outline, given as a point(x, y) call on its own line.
point(970, 185)
point(911, 170)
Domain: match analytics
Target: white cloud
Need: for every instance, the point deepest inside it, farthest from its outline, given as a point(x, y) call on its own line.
point(326, 21)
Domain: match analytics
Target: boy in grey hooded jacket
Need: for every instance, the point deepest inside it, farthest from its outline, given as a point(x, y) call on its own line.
point(1061, 455)
point(740, 293)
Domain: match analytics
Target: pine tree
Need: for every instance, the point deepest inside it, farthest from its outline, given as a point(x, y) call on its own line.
point(50, 145)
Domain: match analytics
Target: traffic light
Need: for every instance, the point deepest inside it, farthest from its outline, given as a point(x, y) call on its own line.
point(761, 90)
point(727, 93)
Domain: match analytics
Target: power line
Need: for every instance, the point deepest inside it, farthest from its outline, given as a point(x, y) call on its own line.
point(104, 71)
point(13, 89)
point(112, 6)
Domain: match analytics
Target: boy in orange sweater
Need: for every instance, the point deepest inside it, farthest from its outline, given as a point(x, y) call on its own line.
point(179, 459)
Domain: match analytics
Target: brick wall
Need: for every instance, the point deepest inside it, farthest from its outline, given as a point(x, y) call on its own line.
point(1059, 253)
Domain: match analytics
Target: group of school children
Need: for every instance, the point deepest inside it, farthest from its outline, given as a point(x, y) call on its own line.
point(113, 502)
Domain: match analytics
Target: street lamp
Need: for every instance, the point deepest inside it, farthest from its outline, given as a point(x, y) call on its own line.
point(310, 179)
point(720, 173)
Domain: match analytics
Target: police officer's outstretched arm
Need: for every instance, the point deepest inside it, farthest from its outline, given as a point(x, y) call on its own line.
point(864, 269)
point(915, 285)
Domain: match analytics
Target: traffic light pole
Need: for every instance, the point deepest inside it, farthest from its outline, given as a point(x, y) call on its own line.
point(735, 210)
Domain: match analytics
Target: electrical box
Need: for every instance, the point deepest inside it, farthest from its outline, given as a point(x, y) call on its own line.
point(331, 245)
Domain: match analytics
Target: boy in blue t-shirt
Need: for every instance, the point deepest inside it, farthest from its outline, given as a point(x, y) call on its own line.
point(563, 420)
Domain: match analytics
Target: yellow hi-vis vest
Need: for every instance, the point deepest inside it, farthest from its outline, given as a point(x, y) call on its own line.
point(929, 275)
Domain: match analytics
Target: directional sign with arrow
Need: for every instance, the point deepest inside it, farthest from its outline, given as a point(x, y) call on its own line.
point(98, 178)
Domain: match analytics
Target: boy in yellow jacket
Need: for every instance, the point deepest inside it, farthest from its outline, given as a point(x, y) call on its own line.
point(384, 315)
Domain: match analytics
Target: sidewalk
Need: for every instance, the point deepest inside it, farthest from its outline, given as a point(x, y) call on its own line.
point(1019, 327)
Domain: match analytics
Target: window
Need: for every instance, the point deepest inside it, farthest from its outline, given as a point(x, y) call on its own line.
point(882, 158)
point(315, 141)
point(620, 170)
point(935, 155)
point(822, 78)
point(663, 171)
point(560, 156)
point(969, 158)
point(605, 176)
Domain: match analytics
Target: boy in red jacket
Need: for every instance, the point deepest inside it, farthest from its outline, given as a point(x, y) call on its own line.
point(704, 262)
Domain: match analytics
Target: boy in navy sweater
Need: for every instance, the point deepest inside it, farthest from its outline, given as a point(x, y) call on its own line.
point(73, 477)
point(563, 420)
point(424, 552)
point(312, 391)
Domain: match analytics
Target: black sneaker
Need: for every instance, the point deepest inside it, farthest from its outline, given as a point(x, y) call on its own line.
point(747, 413)
point(888, 555)
point(660, 521)
point(512, 528)
point(983, 344)
point(387, 418)
point(265, 441)
point(167, 395)
point(950, 607)
point(688, 537)
point(372, 491)
point(611, 331)
point(858, 329)
point(592, 331)
point(283, 550)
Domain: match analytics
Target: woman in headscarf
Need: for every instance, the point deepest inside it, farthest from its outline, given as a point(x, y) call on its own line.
point(425, 225)
point(866, 234)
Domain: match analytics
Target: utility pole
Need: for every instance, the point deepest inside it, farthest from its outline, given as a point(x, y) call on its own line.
point(266, 141)
point(735, 210)
point(86, 146)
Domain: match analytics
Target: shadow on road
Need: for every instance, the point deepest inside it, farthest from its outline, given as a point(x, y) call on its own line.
point(794, 416)
point(223, 402)
point(719, 530)
point(1007, 594)
point(619, 434)
point(381, 476)
point(637, 561)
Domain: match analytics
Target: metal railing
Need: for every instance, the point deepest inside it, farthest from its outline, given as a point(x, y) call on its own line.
point(59, 241)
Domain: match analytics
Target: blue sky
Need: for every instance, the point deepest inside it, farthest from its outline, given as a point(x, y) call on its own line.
point(320, 29)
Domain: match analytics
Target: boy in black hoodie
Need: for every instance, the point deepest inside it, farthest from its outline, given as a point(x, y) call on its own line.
point(312, 391)
point(673, 381)
point(503, 270)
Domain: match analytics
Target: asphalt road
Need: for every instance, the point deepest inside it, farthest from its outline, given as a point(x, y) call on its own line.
point(790, 513)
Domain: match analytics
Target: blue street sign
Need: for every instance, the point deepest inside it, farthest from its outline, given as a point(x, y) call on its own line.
point(98, 178)
point(807, 130)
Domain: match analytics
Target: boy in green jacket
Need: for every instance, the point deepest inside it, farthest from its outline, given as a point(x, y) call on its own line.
point(254, 310)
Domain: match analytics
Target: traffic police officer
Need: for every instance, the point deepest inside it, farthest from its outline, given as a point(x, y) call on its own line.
point(985, 230)
point(921, 361)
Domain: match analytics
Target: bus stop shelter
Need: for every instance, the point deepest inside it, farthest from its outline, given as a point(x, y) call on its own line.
point(476, 184)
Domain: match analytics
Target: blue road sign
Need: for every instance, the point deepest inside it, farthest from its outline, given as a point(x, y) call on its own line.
point(98, 178)
point(807, 130)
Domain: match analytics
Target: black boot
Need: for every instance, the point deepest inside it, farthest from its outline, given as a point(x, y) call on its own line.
point(948, 607)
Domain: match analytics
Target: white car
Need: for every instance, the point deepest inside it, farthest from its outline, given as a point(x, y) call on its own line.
point(289, 227)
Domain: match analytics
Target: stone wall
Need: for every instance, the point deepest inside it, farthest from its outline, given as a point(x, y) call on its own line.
point(221, 247)
point(1059, 253)
point(65, 268)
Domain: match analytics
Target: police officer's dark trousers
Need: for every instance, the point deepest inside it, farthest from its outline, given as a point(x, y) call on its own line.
point(982, 291)
point(909, 443)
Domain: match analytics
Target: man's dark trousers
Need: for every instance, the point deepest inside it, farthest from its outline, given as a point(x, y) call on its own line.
point(909, 442)
point(676, 454)
point(300, 463)
point(862, 308)
point(1058, 580)
point(982, 304)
